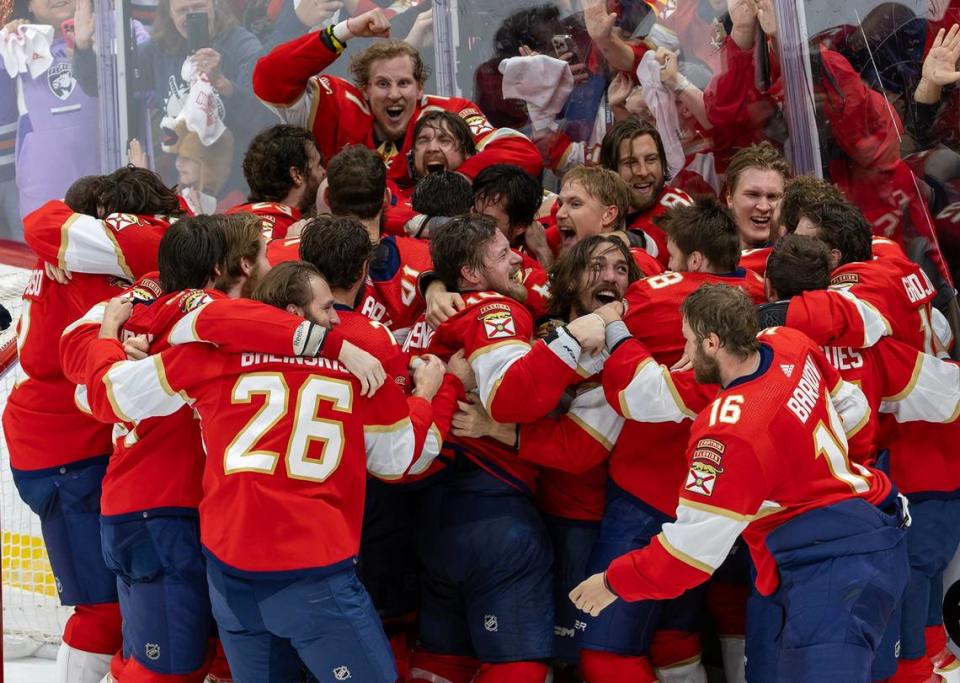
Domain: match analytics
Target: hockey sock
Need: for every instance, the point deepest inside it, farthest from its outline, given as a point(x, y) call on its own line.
point(435, 668)
point(913, 671)
point(599, 667)
point(733, 651)
point(94, 628)
point(78, 666)
point(676, 656)
point(135, 672)
point(513, 672)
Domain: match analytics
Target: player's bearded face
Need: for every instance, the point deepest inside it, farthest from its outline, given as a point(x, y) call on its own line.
point(706, 370)
point(641, 168)
point(392, 93)
point(501, 268)
point(435, 149)
point(315, 173)
point(604, 280)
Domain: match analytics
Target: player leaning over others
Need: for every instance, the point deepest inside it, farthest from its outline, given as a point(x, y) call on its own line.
point(816, 527)
point(379, 110)
point(289, 442)
point(58, 452)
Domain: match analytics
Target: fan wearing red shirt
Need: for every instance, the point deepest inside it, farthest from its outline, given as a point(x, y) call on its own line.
point(282, 167)
point(58, 452)
point(379, 111)
point(634, 149)
point(302, 470)
point(768, 459)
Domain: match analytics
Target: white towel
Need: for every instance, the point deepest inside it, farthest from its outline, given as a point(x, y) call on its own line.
point(543, 82)
point(26, 50)
point(663, 105)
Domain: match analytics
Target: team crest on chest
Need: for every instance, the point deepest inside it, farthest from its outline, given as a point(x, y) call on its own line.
point(705, 467)
point(61, 81)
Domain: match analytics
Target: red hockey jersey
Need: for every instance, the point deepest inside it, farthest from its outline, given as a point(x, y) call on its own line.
point(392, 297)
point(288, 80)
point(282, 250)
point(516, 382)
point(646, 222)
point(44, 424)
point(289, 442)
point(647, 461)
point(769, 448)
point(275, 218)
point(158, 462)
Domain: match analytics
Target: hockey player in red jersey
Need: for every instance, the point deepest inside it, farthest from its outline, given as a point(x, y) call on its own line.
point(647, 463)
point(481, 541)
point(799, 515)
point(634, 149)
point(379, 110)
point(358, 188)
point(58, 452)
point(315, 496)
point(901, 292)
point(152, 486)
point(282, 167)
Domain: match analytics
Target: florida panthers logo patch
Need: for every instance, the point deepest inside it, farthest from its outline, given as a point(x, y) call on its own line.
point(60, 80)
point(499, 325)
point(705, 467)
point(193, 299)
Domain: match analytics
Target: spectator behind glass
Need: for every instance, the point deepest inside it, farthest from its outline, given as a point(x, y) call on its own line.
point(227, 63)
point(56, 136)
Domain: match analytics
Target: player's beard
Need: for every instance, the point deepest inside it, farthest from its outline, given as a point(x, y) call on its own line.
point(706, 370)
point(640, 205)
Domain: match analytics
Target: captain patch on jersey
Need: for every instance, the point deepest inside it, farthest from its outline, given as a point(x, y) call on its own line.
point(705, 467)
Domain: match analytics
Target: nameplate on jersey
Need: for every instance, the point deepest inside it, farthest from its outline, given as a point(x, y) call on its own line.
point(705, 466)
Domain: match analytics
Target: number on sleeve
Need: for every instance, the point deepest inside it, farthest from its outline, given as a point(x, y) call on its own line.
point(831, 443)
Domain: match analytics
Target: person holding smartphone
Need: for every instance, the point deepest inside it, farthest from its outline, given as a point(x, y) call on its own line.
point(206, 33)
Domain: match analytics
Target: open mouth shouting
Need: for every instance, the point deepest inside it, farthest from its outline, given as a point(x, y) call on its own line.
point(394, 113)
point(605, 294)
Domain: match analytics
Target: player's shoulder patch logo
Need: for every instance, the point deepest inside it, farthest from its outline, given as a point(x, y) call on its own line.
point(122, 221)
point(61, 81)
point(705, 466)
point(193, 299)
point(497, 319)
point(845, 279)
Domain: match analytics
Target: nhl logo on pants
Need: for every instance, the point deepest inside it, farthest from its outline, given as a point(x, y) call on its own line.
point(152, 651)
point(341, 673)
point(490, 622)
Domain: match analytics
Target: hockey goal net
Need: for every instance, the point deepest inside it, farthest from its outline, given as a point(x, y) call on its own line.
point(32, 615)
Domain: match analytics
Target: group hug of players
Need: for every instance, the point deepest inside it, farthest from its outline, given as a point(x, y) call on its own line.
point(448, 429)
